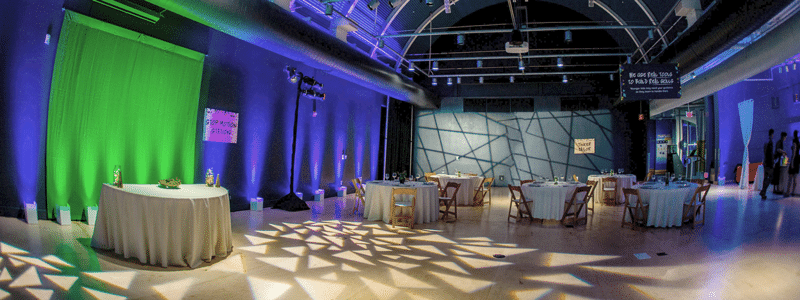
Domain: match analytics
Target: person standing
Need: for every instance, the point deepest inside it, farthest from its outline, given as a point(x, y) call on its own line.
point(794, 165)
point(779, 167)
point(768, 164)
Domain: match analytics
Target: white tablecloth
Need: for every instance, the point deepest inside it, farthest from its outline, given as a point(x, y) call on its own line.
point(468, 185)
point(378, 202)
point(666, 204)
point(624, 181)
point(549, 199)
point(164, 226)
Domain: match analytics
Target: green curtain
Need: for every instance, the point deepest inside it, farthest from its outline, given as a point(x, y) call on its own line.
point(118, 98)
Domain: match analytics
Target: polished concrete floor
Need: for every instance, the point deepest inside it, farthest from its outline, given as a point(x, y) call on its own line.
point(748, 249)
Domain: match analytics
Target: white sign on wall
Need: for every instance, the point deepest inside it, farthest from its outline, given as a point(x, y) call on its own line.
point(584, 146)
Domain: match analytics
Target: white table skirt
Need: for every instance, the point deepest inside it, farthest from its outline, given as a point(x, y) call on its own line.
point(466, 192)
point(666, 204)
point(549, 200)
point(624, 181)
point(378, 202)
point(759, 181)
point(181, 227)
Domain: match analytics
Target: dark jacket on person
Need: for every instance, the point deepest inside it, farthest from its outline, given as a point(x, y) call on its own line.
point(769, 155)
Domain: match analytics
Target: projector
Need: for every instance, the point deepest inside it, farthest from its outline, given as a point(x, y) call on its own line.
point(517, 49)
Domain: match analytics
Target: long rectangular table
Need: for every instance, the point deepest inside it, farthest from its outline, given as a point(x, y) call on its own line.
point(180, 227)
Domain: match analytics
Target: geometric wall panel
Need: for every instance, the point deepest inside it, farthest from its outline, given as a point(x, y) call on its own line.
point(523, 145)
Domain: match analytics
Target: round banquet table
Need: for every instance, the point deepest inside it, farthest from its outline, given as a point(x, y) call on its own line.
point(624, 181)
point(549, 199)
point(183, 226)
point(378, 202)
point(666, 203)
point(466, 192)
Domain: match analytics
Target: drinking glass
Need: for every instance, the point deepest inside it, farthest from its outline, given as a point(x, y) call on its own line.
point(394, 175)
point(620, 171)
point(562, 179)
point(386, 177)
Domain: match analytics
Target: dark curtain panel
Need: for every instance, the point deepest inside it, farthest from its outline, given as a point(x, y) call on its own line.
point(399, 137)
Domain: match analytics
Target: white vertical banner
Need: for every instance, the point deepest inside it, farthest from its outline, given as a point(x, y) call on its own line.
point(746, 121)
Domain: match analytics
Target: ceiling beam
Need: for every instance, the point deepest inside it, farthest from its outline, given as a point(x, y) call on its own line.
point(525, 74)
point(516, 57)
point(534, 29)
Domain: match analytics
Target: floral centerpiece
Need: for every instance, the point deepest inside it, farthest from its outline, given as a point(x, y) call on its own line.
point(210, 177)
point(402, 177)
point(118, 177)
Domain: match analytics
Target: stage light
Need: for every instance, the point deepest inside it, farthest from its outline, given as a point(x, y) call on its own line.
point(480, 79)
point(460, 40)
point(480, 63)
point(521, 65)
point(381, 43)
point(449, 80)
point(310, 82)
point(511, 79)
point(328, 9)
point(568, 36)
point(411, 67)
point(458, 80)
point(433, 82)
point(560, 62)
point(372, 5)
point(293, 75)
point(395, 3)
point(429, 2)
point(564, 79)
point(435, 66)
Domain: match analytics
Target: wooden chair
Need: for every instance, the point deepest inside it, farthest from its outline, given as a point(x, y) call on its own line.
point(696, 206)
point(650, 174)
point(487, 188)
point(590, 200)
point(578, 204)
point(428, 176)
point(448, 199)
point(609, 185)
point(400, 206)
point(635, 209)
point(360, 194)
point(478, 194)
point(470, 174)
point(699, 182)
point(526, 181)
point(522, 204)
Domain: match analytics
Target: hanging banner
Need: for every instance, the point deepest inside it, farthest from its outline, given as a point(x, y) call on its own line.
point(584, 146)
point(649, 81)
point(221, 126)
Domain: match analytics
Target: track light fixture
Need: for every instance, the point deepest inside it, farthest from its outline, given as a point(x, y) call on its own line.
point(411, 67)
point(560, 62)
point(480, 79)
point(568, 36)
point(328, 9)
point(293, 75)
point(311, 83)
point(480, 63)
point(521, 65)
point(628, 60)
point(395, 3)
point(564, 79)
point(428, 2)
point(511, 79)
point(449, 80)
point(611, 77)
point(381, 43)
point(458, 80)
point(373, 4)
point(435, 66)
point(433, 82)
point(460, 39)
point(312, 94)
point(650, 34)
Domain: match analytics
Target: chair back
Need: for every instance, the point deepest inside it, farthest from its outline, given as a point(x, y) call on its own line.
point(575, 177)
point(632, 198)
point(471, 174)
point(451, 186)
point(583, 189)
point(518, 190)
point(699, 197)
point(650, 174)
point(487, 183)
point(358, 187)
point(404, 191)
point(525, 181)
point(610, 182)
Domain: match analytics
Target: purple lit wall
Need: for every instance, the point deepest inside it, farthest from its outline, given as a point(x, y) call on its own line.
point(783, 115)
point(237, 77)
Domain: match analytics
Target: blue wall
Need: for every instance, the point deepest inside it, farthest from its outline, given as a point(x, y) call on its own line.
point(237, 77)
point(761, 88)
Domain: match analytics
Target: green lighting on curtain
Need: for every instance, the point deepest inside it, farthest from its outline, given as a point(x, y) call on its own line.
point(118, 98)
